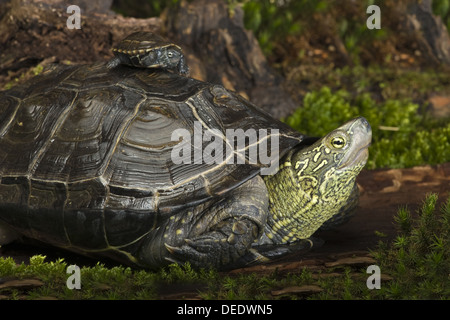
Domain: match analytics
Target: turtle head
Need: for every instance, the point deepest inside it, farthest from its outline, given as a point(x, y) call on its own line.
point(318, 181)
point(171, 57)
point(342, 151)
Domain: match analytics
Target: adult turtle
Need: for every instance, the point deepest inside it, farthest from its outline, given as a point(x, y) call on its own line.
point(149, 50)
point(142, 166)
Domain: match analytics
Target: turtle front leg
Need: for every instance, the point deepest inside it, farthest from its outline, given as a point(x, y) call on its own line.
point(217, 248)
point(225, 230)
point(114, 62)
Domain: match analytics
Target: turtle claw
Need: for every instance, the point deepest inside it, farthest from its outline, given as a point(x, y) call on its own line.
point(171, 249)
point(172, 260)
point(178, 254)
point(198, 253)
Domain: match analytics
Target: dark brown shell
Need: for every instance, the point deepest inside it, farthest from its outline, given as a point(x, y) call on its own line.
point(85, 155)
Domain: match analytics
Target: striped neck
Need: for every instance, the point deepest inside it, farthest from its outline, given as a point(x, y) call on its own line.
point(302, 197)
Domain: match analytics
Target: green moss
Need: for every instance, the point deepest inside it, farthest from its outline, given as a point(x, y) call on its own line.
point(380, 82)
point(419, 257)
point(401, 137)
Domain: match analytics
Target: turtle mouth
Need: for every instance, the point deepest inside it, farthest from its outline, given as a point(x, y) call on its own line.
point(360, 158)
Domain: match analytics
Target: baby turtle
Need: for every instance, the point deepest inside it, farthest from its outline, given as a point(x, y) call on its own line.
point(149, 50)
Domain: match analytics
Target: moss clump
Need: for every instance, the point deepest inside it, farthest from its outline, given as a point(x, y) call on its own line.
point(419, 257)
point(401, 137)
point(97, 282)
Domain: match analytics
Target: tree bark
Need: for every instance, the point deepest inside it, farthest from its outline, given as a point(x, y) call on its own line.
point(431, 34)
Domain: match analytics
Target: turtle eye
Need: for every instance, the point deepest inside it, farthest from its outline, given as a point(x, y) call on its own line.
point(170, 54)
point(338, 142)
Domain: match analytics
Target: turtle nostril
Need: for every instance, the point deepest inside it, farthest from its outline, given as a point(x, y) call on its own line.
point(366, 124)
